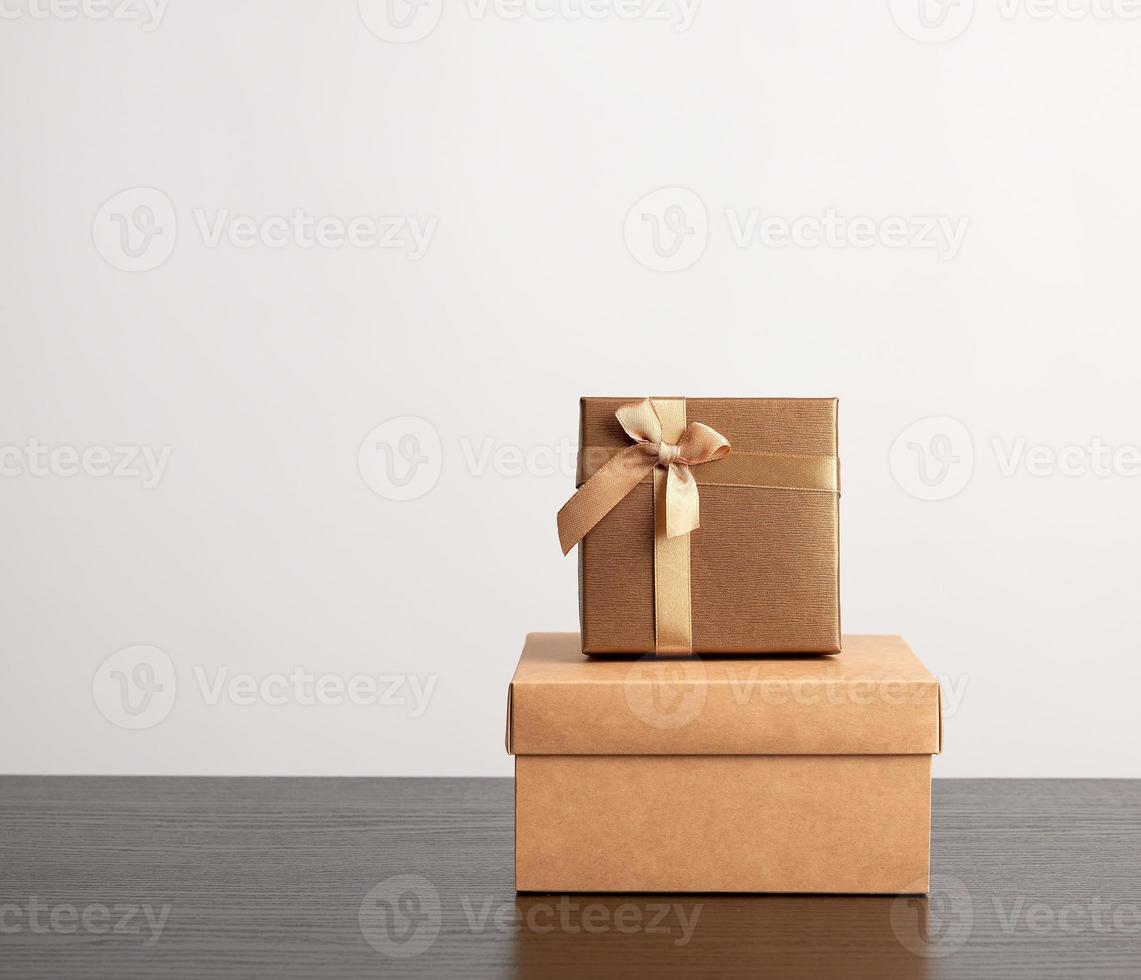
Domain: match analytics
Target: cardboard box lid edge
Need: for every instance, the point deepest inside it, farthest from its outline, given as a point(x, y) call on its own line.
point(510, 712)
point(939, 748)
point(918, 744)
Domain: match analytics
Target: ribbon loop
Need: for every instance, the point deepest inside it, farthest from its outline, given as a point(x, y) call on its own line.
point(610, 484)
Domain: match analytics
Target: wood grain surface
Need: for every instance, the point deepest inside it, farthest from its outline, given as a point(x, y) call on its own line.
point(211, 878)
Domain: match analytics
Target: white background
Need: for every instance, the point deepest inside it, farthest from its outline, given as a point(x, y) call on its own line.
point(528, 140)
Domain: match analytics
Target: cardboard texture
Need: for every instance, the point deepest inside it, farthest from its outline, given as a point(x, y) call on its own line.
point(764, 564)
point(730, 775)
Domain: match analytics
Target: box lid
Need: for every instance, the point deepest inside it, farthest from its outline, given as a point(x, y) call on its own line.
point(875, 698)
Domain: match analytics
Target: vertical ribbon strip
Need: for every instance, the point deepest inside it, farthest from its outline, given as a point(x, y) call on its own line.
point(673, 620)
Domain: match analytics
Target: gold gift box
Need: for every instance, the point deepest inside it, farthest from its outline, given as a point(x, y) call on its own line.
point(764, 563)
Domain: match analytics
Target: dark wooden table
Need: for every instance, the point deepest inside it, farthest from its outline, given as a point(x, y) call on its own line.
point(117, 877)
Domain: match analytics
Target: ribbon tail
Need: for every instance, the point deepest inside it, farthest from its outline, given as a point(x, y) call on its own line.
point(601, 494)
point(682, 509)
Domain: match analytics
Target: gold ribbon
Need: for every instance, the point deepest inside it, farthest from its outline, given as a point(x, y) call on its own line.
point(667, 447)
point(760, 471)
point(673, 605)
point(601, 493)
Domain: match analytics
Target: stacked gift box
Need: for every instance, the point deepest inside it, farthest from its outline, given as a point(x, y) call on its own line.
point(710, 729)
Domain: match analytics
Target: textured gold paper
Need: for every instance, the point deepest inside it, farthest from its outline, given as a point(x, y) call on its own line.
point(764, 564)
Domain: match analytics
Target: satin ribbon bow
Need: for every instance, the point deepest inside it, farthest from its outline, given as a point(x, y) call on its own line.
point(624, 471)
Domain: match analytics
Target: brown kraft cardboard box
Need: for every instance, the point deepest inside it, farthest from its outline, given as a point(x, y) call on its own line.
point(723, 775)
